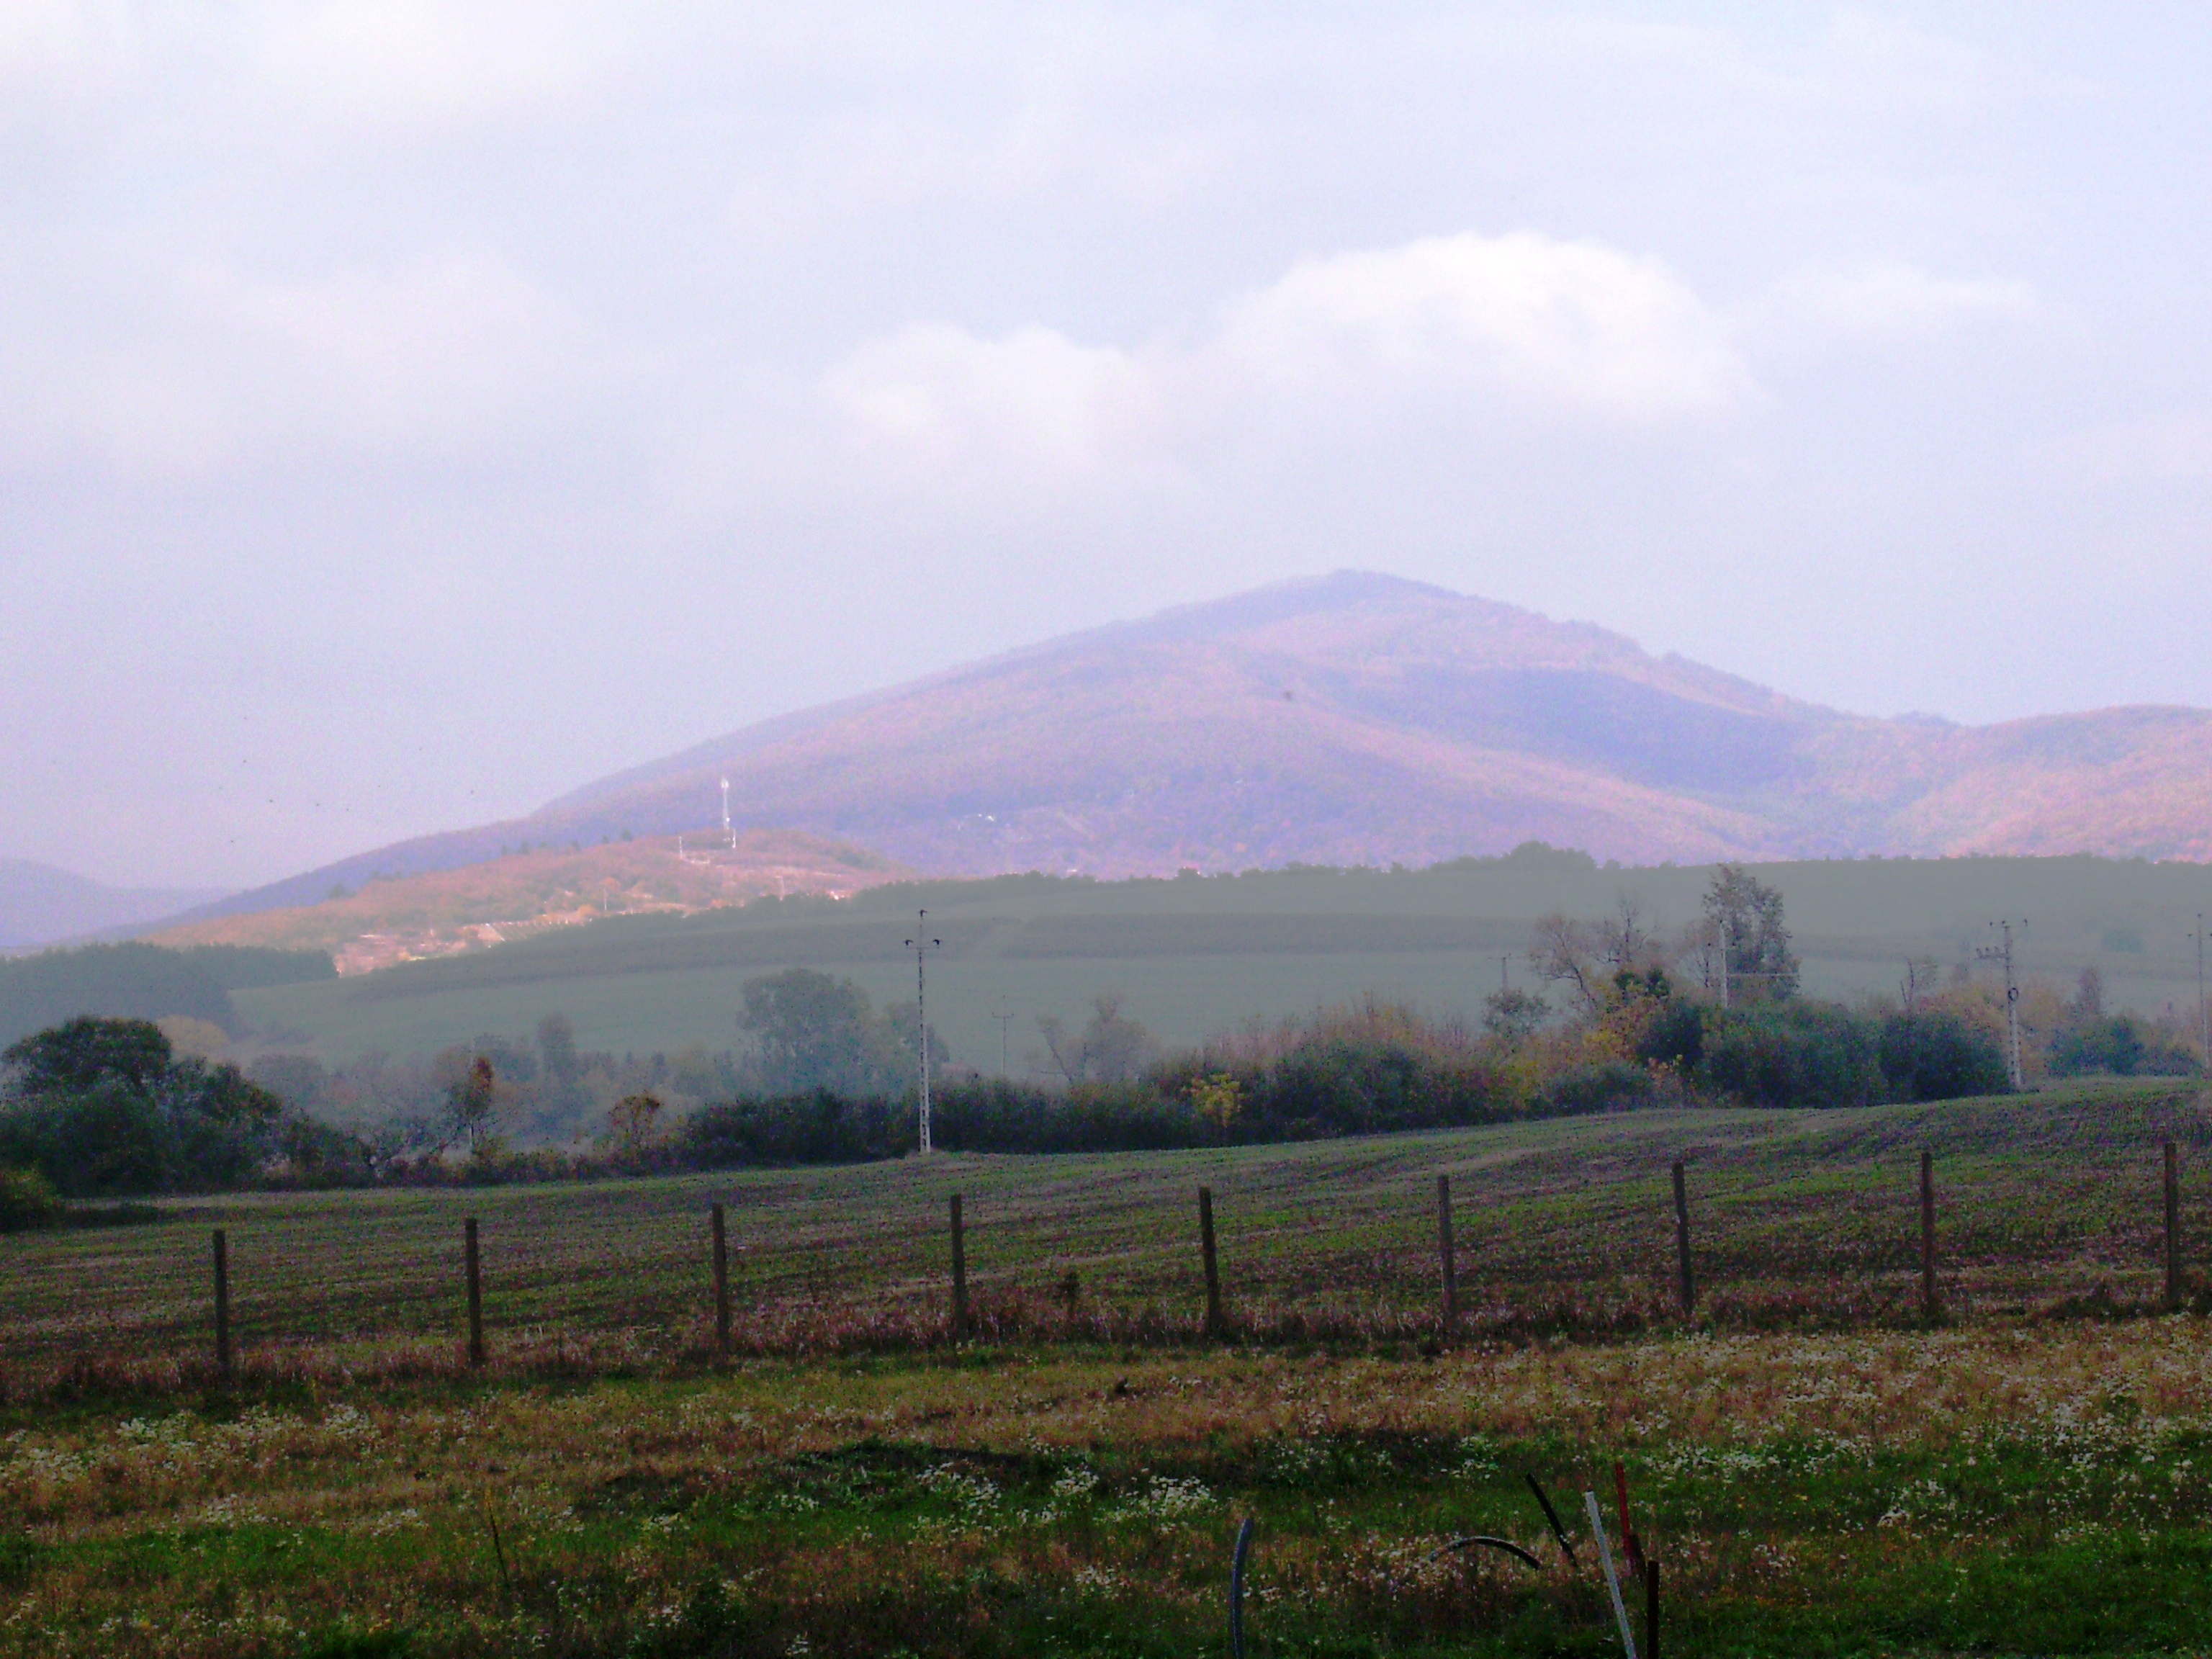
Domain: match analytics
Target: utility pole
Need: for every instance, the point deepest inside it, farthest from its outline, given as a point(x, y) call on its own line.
point(2204, 1022)
point(1005, 1021)
point(920, 944)
point(1505, 975)
point(2004, 953)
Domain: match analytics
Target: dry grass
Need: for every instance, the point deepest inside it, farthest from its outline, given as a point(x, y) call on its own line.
point(1820, 1474)
point(1801, 1220)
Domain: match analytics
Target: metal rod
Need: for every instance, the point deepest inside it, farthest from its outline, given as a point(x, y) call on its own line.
point(1612, 1578)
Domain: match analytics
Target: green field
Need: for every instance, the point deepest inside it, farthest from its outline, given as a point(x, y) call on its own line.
point(1819, 1469)
point(1195, 956)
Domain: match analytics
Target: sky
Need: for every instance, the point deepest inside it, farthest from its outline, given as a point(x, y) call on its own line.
point(409, 411)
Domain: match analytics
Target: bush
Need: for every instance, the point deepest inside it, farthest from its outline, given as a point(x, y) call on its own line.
point(1934, 1055)
point(1792, 1053)
point(821, 1127)
point(98, 1106)
point(1613, 1085)
point(27, 1200)
point(2117, 1046)
point(1001, 1116)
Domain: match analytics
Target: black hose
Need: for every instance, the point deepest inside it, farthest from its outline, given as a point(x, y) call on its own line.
point(1487, 1542)
point(1237, 1590)
point(1552, 1516)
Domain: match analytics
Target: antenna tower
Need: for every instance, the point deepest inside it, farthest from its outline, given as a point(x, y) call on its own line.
point(921, 945)
point(728, 834)
point(2004, 953)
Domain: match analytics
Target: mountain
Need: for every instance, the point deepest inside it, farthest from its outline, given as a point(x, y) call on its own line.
point(1364, 718)
point(40, 904)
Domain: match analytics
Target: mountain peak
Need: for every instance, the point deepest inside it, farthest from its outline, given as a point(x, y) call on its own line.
point(1359, 717)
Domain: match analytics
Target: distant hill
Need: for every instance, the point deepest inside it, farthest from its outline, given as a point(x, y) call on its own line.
point(1363, 719)
point(529, 889)
point(40, 904)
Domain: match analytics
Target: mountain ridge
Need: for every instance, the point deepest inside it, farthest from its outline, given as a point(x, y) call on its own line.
point(1363, 718)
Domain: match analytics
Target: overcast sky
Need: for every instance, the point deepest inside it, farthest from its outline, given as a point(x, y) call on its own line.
point(410, 410)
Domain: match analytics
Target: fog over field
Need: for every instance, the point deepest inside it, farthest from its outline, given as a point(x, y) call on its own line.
point(409, 414)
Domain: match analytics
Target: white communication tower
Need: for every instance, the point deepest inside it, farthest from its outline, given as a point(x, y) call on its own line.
point(728, 834)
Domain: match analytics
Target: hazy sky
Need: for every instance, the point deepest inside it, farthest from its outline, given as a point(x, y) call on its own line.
point(410, 410)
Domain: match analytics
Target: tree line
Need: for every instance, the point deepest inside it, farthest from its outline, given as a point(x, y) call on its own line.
point(1627, 1016)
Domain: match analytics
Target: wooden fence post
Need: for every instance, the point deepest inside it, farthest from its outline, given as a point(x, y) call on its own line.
point(959, 1273)
point(1444, 1249)
point(1927, 1303)
point(1651, 1610)
point(721, 1284)
point(2172, 1229)
point(1687, 1282)
point(475, 1291)
point(1214, 1324)
point(222, 1304)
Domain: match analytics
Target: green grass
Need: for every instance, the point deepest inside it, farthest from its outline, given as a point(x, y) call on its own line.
point(1193, 958)
point(1820, 1471)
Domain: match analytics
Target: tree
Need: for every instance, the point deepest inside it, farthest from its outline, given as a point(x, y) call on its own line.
point(1564, 953)
point(633, 1121)
point(1746, 916)
point(78, 1053)
point(1512, 1016)
point(472, 1106)
point(810, 1031)
point(556, 1050)
point(1109, 1049)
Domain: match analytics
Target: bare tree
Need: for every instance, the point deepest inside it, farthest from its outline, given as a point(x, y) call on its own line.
point(1110, 1049)
point(1564, 953)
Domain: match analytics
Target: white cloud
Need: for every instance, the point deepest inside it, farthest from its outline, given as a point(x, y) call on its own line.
point(939, 391)
point(1569, 326)
point(1518, 322)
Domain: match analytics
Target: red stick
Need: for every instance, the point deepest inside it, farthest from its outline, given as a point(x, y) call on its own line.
point(1628, 1539)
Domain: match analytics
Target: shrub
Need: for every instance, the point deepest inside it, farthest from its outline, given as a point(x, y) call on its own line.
point(99, 1107)
point(27, 1200)
point(1792, 1053)
point(1611, 1085)
point(1934, 1055)
point(822, 1127)
point(2119, 1046)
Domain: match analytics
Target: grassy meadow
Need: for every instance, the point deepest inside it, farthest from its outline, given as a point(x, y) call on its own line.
point(1818, 1468)
point(1194, 957)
